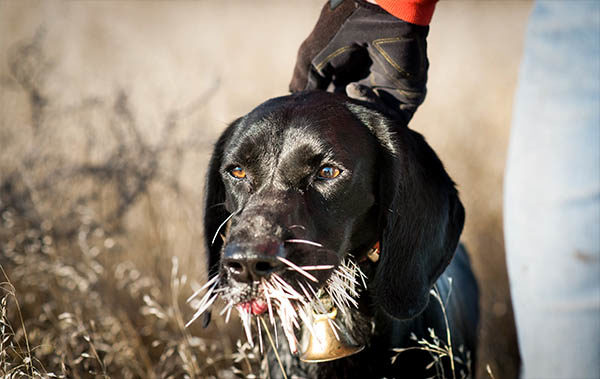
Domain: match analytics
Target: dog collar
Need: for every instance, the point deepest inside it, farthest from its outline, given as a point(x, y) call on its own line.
point(373, 254)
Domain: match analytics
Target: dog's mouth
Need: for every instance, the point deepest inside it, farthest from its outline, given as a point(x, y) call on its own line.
point(254, 306)
point(289, 302)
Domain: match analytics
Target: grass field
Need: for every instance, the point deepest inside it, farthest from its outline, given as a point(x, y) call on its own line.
point(108, 111)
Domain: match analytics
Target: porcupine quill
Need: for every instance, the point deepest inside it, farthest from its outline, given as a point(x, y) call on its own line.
point(289, 304)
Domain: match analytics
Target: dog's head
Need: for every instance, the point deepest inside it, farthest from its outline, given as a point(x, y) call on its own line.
point(313, 178)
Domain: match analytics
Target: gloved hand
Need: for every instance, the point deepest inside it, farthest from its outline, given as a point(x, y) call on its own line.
point(358, 45)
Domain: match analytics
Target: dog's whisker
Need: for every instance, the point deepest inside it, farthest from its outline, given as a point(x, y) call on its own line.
point(215, 205)
point(307, 242)
point(297, 226)
point(206, 285)
point(220, 226)
point(297, 268)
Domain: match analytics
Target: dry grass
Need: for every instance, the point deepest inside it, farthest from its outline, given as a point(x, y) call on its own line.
point(73, 307)
point(75, 301)
point(461, 365)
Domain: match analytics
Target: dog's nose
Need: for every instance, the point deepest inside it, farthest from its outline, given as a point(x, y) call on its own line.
point(249, 265)
point(251, 269)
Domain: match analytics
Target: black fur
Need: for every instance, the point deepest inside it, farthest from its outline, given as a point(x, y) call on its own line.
point(392, 189)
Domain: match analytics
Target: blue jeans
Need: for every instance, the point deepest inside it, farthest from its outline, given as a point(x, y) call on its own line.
point(552, 193)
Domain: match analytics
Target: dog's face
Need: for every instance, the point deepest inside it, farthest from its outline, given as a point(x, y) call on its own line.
point(306, 181)
point(300, 185)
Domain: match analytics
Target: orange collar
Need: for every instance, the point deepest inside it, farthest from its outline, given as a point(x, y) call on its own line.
point(373, 254)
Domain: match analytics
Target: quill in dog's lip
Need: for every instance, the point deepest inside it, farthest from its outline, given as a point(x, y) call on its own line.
point(294, 309)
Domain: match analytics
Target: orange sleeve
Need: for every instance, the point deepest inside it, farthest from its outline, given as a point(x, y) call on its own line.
point(414, 11)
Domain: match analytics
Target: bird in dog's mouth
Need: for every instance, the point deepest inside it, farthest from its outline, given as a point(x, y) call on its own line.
point(293, 298)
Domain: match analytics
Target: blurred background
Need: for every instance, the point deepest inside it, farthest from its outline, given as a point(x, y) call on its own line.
point(108, 113)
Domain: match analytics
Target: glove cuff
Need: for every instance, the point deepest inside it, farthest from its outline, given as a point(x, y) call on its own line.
point(417, 12)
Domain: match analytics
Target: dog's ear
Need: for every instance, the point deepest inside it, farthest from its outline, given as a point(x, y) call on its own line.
point(421, 217)
point(215, 212)
point(214, 208)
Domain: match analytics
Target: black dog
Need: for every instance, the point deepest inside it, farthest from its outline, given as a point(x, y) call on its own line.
point(317, 178)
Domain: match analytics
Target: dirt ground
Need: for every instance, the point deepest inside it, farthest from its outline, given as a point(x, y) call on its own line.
point(207, 62)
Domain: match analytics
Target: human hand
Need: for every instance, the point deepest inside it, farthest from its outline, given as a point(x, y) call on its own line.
point(361, 50)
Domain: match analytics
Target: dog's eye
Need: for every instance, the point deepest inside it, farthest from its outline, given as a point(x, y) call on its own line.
point(329, 172)
point(238, 172)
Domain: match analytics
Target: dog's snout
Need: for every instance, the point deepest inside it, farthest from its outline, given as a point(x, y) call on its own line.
point(249, 265)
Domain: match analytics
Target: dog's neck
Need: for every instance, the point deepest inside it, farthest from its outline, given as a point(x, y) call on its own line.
point(355, 325)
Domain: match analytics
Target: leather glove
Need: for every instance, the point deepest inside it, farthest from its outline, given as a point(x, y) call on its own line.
point(359, 49)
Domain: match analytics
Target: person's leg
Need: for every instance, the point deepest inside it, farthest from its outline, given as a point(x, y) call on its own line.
point(552, 193)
